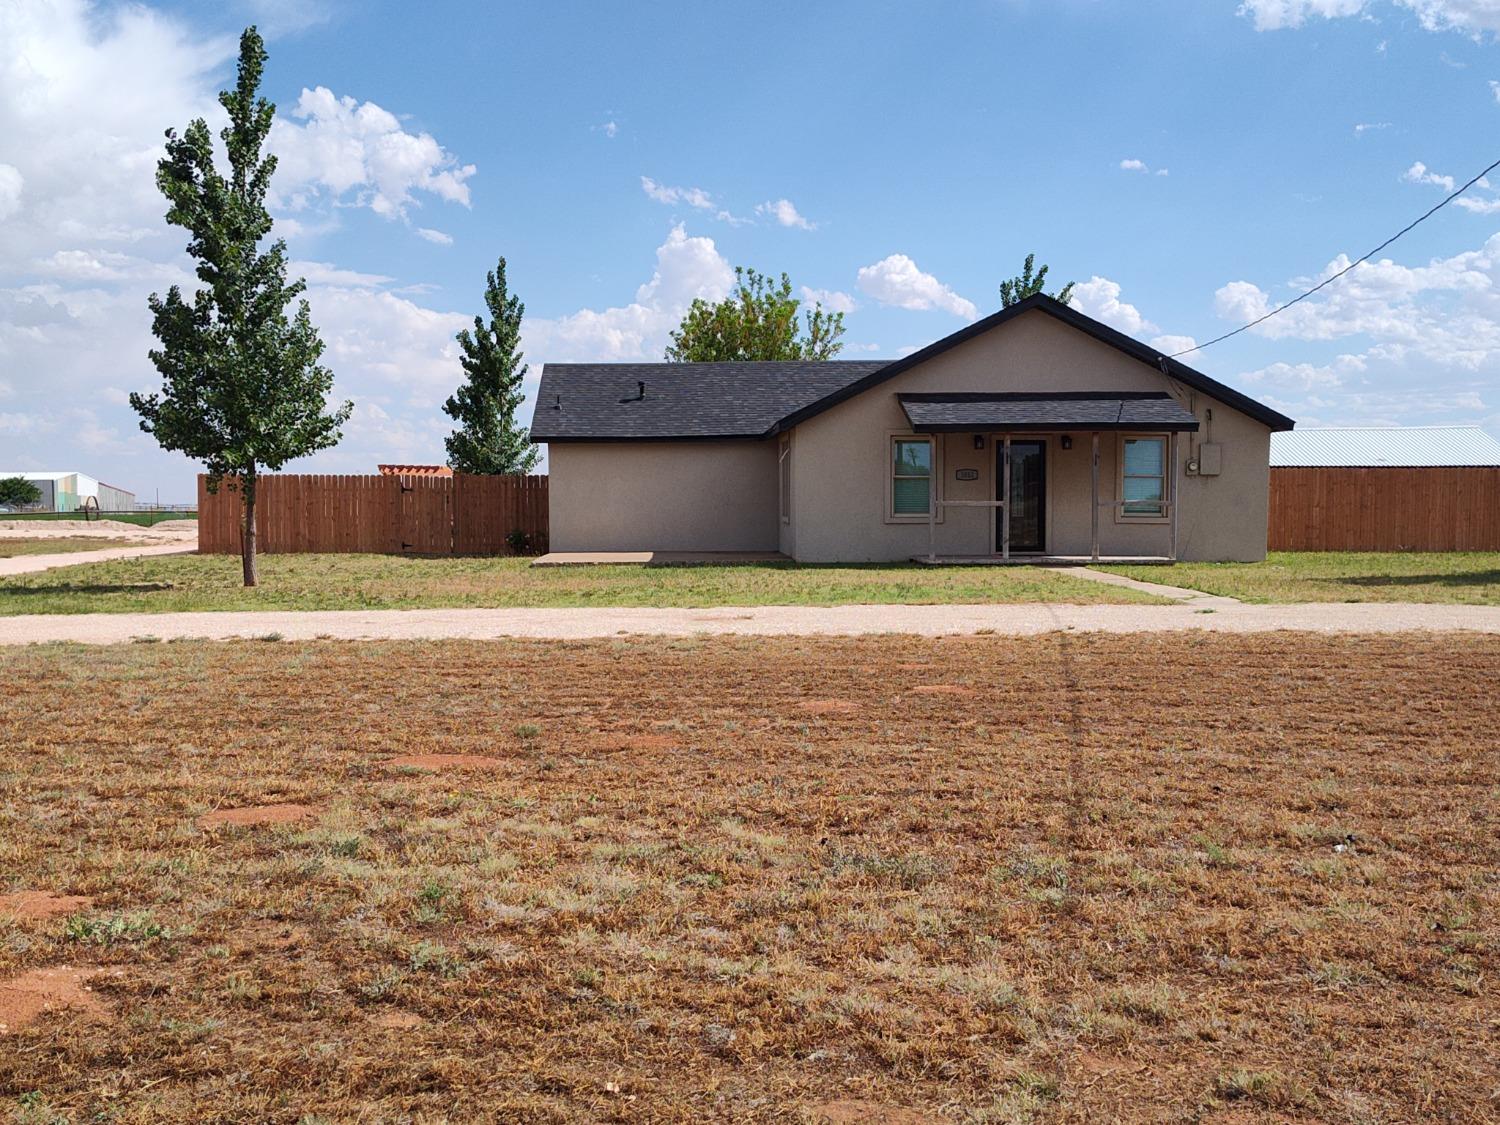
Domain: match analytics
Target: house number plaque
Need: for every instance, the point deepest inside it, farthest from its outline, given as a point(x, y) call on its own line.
point(965, 474)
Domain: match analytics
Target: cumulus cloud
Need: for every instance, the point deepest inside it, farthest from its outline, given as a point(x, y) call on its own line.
point(436, 236)
point(896, 280)
point(785, 213)
point(345, 150)
point(1133, 165)
point(1482, 199)
point(1471, 17)
point(831, 299)
point(1099, 297)
point(687, 268)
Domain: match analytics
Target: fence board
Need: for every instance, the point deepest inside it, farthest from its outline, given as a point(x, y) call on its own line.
point(303, 513)
point(1385, 509)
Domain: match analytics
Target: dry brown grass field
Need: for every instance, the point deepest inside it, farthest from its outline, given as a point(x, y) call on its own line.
point(1063, 878)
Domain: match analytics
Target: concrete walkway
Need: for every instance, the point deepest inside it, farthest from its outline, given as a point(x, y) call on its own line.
point(1196, 598)
point(32, 564)
point(849, 620)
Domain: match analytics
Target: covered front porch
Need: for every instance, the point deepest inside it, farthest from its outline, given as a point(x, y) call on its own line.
point(1074, 479)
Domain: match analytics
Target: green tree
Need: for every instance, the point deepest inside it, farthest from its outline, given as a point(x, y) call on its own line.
point(757, 321)
point(488, 440)
point(242, 388)
point(1017, 289)
point(18, 492)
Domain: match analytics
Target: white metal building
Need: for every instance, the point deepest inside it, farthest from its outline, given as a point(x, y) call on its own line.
point(1404, 447)
point(68, 492)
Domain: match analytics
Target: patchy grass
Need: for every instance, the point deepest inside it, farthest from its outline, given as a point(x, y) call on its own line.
point(1143, 877)
point(1457, 577)
point(143, 519)
point(11, 548)
point(212, 582)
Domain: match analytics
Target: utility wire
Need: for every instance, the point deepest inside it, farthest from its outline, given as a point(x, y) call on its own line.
point(1342, 272)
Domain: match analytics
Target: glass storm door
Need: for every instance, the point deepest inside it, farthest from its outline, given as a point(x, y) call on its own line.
point(1028, 494)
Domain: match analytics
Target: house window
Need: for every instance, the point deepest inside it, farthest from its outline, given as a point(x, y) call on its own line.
point(785, 453)
point(1143, 477)
point(911, 476)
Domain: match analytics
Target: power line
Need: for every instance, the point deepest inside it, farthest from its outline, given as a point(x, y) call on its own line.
point(1330, 280)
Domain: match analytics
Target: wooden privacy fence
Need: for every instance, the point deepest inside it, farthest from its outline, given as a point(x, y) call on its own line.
point(1346, 509)
point(413, 515)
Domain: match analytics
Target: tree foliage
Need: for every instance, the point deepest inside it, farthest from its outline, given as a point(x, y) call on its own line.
point(1027, 284)
point(17, 492)
point(242, 388)
point(487, 439)
point(759, 320)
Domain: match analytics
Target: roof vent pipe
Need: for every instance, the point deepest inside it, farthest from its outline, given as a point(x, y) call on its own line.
point(641, 383)
point(558, 404)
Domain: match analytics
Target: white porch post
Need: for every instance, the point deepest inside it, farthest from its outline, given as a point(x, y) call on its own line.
point(1175, 485)
point(1005, 495)
point(1094, 504)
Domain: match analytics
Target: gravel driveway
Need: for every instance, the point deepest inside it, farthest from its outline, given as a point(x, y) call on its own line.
point(848, 620)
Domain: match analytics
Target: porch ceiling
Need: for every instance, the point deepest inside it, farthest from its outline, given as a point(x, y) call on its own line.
point(1086, 410)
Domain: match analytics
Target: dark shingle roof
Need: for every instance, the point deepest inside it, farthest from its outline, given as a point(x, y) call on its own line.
point(1094, 410)
point(601, 401)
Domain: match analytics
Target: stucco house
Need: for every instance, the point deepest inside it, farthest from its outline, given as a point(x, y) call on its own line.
point(1036, 432)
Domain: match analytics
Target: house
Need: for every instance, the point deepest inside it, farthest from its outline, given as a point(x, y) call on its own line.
point(71, 492)
point(1035, 432)
point(1384, 447)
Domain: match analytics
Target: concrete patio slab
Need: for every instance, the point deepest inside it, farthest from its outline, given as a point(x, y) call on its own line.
point(659, 558)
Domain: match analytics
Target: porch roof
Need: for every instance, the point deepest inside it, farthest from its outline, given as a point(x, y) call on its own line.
point(1058, 410)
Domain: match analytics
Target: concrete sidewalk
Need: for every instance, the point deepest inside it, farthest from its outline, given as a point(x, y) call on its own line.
point(849, 620)
point(33, 564)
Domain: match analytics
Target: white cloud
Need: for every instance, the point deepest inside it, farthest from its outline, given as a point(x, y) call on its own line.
point(1133, 166)
point(610, 129)
point(11, 182)
point(1307, 376)
point(1471, 17)
point(1419, 173)
point(347, 151)
point(1099, 297)
point(785, 213)
point(896, 280)
point(687, 268)
point(1495, 89)
point(1172, 345)
point(1370, 126)
point(325, 273)
point(436, 236)
point(693, 197)
point(831, 299)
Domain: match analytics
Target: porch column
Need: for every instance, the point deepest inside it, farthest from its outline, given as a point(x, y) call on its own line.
point(1175, 483)
point(1094, 501)
point(1005, 493)
point(932, 503)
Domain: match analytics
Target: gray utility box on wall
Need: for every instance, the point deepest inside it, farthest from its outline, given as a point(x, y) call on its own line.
point(1210, 459)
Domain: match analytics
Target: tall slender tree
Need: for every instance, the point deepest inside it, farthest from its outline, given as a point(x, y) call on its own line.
point(487, 439)
point(242, 388)
point(757, 321)
point(1017, 289)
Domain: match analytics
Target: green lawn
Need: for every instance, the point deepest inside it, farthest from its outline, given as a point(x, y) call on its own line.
point(172, 583)
point(1471, 578)
point(10, 548)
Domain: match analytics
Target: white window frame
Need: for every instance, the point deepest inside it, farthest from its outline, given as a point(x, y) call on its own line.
point(1121, 515)
point(934, 492)
point(784, 477)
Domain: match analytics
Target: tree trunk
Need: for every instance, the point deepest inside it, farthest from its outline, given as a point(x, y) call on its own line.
point(247, 538)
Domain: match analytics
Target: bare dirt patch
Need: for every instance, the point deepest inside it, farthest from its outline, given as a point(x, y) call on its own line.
point(829, 706)
point(1256, 870)
point(38, 906)
point(27, 998)
point(257, 814)
point(610, 743)
point(941, 689)
point(397, 1020)
point(440, 762)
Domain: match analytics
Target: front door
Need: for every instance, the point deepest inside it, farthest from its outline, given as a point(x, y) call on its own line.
point(1028, 495)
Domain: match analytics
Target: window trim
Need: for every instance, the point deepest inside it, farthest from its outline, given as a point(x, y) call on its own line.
point(935, 490)
point(1121, 515)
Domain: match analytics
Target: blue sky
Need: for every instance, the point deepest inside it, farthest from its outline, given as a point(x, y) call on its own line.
point(1186, 163)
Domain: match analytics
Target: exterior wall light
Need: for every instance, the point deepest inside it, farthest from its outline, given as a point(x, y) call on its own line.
point(978, 441)
point(1067, 441)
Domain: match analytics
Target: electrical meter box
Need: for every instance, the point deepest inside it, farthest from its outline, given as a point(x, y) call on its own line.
point(1210, 459)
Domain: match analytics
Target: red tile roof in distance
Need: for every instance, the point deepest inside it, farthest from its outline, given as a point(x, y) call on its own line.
point(415, 471)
